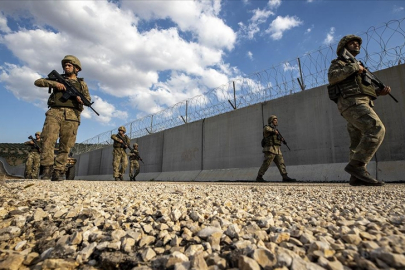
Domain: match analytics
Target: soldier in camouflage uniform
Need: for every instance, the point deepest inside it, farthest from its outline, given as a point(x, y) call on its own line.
point(119, 155)
point(133, 163)
point(62, 119)
point(272, 150)
point(354, 100)
point(34, 157)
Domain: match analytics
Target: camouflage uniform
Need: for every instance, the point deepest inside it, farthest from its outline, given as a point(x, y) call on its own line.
point(34, 157)
point(272, 152)
point(355, 103)
point(62, 121)
point(119, 155)
point(134, 163)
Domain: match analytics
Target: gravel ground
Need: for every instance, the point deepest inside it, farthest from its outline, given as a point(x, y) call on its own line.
point(178, 225)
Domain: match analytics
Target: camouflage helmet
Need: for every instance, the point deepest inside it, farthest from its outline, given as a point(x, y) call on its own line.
point(346, 39)
point(135, 144)
point(271, 118)
point(73, 60)
point(122, 128)
point(38, 133)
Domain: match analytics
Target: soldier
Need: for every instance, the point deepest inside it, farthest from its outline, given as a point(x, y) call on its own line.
point(34, 157)
point(119, 155)
point(134, 164)
point(355, 103)
point(62, 119)
point(272, 150)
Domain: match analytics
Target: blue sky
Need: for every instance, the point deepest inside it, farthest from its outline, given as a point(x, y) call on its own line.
point(140, 57)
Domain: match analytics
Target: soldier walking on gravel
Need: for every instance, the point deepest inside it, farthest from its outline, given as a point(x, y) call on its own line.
point(34, 157)
point(62, 119)
point(120, 158)
point(134, 167)
point(272, 150)
point(354, 98)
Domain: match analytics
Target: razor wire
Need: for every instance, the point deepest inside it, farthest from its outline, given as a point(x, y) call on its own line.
point(383, 47)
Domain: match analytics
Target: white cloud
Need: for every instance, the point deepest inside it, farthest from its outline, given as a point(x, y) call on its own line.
point(329, 36)
point(119, 57)
point(250, 55)
point(274, 3)
point(259, 17)
point(398, 9)
point(106, 110)
point(288, 67)
point(282, 24)
point(3, 24)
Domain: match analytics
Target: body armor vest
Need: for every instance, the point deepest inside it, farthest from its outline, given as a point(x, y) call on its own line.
point(351, 86)
point(271, 139)
point(55, 99)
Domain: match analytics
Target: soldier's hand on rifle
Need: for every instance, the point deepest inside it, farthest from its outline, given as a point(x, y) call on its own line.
point(60, 86)
point(384, 91)
point(361, 69)
point(79, 100)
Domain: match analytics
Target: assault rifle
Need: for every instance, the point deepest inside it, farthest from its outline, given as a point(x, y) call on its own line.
point(367, 77)
point(35, 143)
point(280, 137)
point(71, 91)
point(129, 147)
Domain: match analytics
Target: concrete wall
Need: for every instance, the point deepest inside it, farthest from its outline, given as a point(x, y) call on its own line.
point(227, 146)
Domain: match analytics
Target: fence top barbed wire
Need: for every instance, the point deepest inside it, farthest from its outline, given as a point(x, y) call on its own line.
point(383, 47)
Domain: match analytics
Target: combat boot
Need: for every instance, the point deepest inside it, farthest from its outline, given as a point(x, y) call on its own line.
point(117, 179)
point(121, 177)
point(288, 179)
point(259, 178)
point(357, 182)
point(358, 169)
point(57, 176)
point(46, 173)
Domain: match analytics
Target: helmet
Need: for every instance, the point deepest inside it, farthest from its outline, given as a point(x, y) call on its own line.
point(122, 128)
point(135, 144)
point(38, 133)
point(346, 39)
point(271, 118)
point(72, 59)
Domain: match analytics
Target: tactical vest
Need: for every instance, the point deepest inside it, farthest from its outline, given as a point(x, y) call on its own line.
point(117, 144)
point(33, 148)
point(272, 139)
point(133, 156)
point(351, 86)
point(55, 99)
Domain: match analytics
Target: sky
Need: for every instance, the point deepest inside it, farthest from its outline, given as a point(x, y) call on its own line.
point(141, 56)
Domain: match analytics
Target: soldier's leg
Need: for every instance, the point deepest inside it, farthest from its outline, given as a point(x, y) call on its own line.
point(67, 139)
point(131, 169)
point(29, 165)
point(364, 118)
point(35, 165)
point(49, 135)
point(137, 168)
point(124, 162)
point(355, 137)
point(116, 162)
point(279, 160)
point(268, 158)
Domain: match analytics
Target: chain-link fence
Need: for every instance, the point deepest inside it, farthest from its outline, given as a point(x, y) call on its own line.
point(383, 46)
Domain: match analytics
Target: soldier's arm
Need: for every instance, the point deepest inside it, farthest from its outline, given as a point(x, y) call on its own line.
point(85, 91)
point(29, 142)
point(115, 138)
point(45, 83)
point(338, 72)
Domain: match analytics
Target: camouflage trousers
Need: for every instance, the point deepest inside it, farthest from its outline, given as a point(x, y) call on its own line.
point(134, 165)
point(119, 158)
point(278, 160)
point(59, 123)
point(366, 132)
point(32, 165)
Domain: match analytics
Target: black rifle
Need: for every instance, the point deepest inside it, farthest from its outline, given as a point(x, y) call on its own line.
point(71, 91)
point(129, 147)
point(35, 143)
point(280, 137)
point(367, 77)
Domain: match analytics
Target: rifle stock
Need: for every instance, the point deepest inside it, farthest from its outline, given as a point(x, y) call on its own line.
point(71, 91)
point(367, 76)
